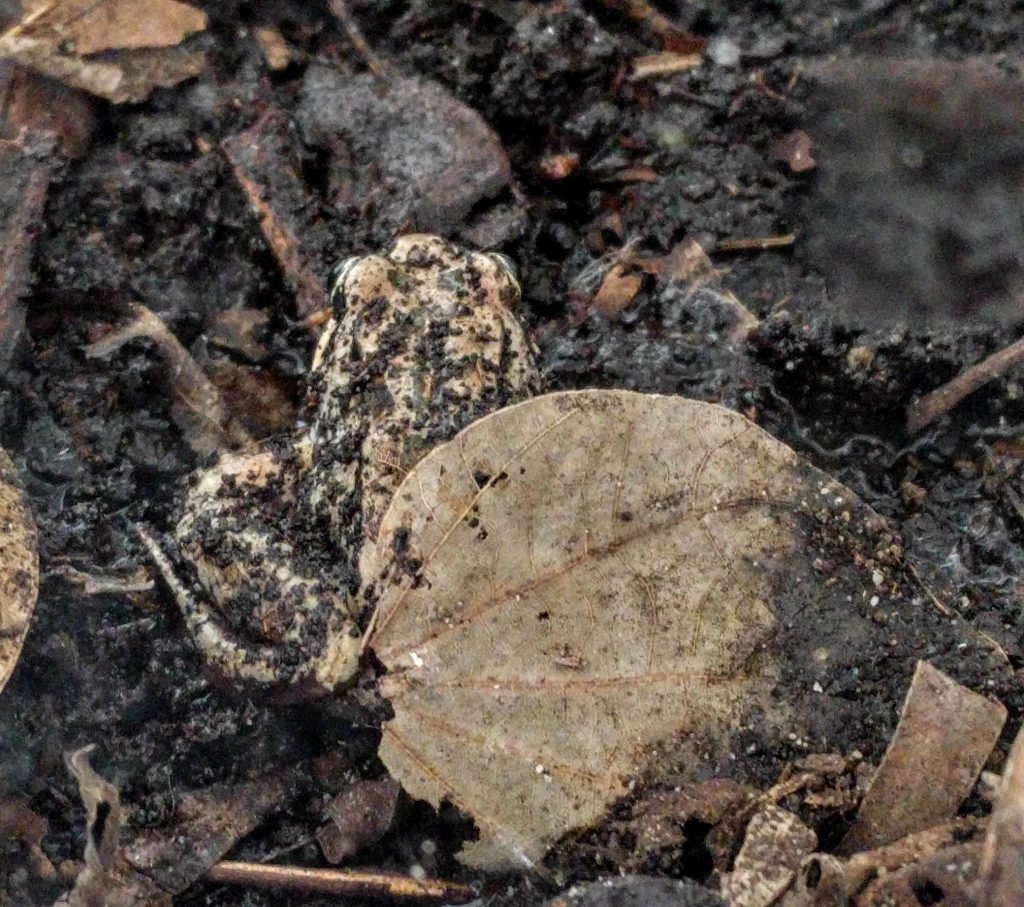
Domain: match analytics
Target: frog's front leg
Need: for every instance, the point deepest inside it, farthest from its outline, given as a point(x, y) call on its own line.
point(273, 606)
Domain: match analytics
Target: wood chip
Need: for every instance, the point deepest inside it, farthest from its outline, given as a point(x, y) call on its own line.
point(795, 150)
point(275, 49)
point(262, 160)
point(359, 815)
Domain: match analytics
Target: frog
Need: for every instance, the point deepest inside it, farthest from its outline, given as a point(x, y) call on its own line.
point(276, 544)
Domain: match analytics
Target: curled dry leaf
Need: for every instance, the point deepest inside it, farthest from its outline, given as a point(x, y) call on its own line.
point(573, 579)
point(106, 880)
point(117, 49)
point(19, 567)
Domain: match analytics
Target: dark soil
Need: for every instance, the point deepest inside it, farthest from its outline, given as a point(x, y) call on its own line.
point(152, 212)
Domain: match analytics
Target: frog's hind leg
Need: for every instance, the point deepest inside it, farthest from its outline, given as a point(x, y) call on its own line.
point(274, 608)
point(218, 648)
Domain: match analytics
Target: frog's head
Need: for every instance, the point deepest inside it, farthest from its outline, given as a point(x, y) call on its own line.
point(427, 267)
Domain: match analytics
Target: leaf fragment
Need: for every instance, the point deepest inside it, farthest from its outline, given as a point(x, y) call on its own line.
point(19, 567)
point(945, 734)
point(117, 49)
point(775, 844)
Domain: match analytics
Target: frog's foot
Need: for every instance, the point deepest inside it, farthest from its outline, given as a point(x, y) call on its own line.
point(274, 605)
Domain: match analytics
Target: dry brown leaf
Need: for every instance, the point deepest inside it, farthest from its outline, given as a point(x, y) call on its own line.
point(35, 105)
point(688, 264)
point(569, 581)
point(117, 49)
point(945, 734)
point(19, 567)
point(206, 825)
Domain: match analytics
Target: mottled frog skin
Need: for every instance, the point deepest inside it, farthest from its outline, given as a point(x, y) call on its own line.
point(423, 340)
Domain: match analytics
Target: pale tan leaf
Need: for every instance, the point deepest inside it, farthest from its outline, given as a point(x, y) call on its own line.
point(567, 582)
point(19, 567)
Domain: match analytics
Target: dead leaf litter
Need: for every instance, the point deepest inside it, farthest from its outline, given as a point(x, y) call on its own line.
point(754, 207)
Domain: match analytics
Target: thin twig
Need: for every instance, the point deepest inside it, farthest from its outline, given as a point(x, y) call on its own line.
point(943, 399)
point(946, 611)
point(338, 881)
point(755, 243)
point(374, 63)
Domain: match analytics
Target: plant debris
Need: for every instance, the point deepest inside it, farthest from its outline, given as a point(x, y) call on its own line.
point(1000, 880)
point(207, 824)
point(198, 409)
point(118, 49)
point(267, 167)
point(921, 413)
point(945, 735)
point(19, 567)
point(359, 815)
point(531, 574)
point(106, 880)
point(25, 173)
point(774, 847)
point(861, 286)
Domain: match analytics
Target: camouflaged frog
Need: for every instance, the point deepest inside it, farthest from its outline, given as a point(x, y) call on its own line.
point(423, 340)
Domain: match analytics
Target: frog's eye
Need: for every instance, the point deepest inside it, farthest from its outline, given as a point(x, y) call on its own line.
point(507, 267)
point(339, 274)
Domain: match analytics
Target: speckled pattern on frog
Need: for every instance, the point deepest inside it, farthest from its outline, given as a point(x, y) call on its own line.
point(423, 341)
